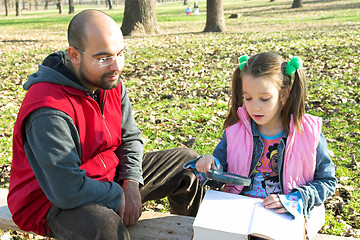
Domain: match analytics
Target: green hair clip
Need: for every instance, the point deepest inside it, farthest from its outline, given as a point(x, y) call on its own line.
point(242, 60)
point(294, 64)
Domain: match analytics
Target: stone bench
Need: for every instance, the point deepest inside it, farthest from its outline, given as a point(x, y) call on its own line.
point(151, 226)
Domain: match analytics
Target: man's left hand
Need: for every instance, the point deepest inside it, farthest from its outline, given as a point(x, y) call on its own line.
point(133, 205)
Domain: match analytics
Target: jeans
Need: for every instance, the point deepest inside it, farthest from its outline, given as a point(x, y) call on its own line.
point(163, 175)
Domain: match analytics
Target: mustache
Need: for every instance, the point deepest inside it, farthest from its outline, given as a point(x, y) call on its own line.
point(112, 73)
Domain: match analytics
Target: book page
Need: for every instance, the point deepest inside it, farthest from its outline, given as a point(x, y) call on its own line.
point(225, 213)
point(266, 222)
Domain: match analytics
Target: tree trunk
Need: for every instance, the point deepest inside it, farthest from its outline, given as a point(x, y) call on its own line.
point(59, 6)
point(215, 21)
point(6, 8)
point(46, 4)
point(109, 3)
point(18, 8)
point(139, 17)
point(71, 6)
point(185, 2)
point(297, 4)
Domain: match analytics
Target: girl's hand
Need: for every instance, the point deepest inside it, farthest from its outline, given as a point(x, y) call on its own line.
point(205, 163)
point(273, 202)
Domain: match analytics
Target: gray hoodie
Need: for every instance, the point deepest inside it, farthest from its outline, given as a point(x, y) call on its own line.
point(59, 175)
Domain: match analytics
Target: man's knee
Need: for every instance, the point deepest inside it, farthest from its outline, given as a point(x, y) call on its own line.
point(185, 154)
point(110, 227)
point(190, 153)
point(90, 221)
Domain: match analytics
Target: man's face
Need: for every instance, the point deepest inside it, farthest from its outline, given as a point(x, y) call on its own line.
point(101, 44)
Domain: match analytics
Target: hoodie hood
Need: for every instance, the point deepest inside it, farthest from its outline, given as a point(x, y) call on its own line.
point(53, 70)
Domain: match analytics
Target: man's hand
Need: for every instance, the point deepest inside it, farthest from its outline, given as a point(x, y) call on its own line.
point(273, 202)
point(121, 209)
point(133, 206)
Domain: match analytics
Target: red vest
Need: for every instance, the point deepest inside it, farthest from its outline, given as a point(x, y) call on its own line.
point(100, 135)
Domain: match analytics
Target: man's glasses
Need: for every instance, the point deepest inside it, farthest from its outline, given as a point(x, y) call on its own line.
point(106, 61)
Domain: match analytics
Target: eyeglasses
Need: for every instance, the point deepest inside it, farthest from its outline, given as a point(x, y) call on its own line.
point(106, 61)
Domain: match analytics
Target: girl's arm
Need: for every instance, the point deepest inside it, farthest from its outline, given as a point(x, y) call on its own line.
point(324, 184)
point(220, 151)
point(206, 162)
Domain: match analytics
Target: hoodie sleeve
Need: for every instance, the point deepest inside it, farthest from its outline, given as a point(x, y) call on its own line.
point(130, 152)
point(52, 146)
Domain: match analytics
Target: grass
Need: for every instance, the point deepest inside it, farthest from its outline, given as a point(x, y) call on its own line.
point(178, 80)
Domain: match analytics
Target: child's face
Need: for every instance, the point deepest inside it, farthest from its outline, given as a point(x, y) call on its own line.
point(263, 103)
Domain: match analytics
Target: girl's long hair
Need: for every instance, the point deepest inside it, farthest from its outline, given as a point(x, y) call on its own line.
point(271, 66)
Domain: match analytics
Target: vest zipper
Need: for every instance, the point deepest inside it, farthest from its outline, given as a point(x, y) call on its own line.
point(103, 116)
point(101, 107)
point(102, 161)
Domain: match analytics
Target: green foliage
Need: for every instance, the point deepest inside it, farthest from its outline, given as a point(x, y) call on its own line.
point(179, 81)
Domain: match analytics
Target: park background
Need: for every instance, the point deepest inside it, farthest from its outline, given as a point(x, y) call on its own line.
point(178, 78)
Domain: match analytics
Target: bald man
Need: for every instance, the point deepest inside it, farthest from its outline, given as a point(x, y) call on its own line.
point(78, 170)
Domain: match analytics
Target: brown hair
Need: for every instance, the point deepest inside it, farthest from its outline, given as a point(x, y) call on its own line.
point(272, 66)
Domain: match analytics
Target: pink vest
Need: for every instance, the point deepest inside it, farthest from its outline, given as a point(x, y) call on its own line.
point(300, 153)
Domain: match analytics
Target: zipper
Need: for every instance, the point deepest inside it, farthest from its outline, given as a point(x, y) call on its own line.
point(100, 111)
point(107, 130)
point(103, 104)
point(103, 117)
point(103, 162)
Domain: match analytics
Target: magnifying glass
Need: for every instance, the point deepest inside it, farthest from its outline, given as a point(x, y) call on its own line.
point(226, 177)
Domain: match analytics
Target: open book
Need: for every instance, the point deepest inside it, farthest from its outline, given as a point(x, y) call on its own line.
point(228, 216)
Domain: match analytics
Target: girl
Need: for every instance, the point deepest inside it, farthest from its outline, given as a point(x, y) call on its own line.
point(269, 138)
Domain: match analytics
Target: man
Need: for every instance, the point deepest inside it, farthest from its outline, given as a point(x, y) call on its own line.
point(77, 153)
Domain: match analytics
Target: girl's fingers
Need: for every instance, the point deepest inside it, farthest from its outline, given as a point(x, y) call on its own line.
point(281, 210)
point(273, 205)
point(205, 163)
point(273, 202)
point(270, 200)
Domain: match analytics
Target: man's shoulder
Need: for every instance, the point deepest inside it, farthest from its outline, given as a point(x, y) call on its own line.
point(42, 90)
point(48, 95)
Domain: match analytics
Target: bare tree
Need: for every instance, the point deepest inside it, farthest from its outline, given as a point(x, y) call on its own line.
point(59, 6)
point(215, 21)
point(71, 6)
point(6, 8)
point(139, 17)
point(297, 4)
point(17, 7)
point(108, 2)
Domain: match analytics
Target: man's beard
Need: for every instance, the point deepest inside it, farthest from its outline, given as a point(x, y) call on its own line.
point(103, 83)
point(106, 84)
